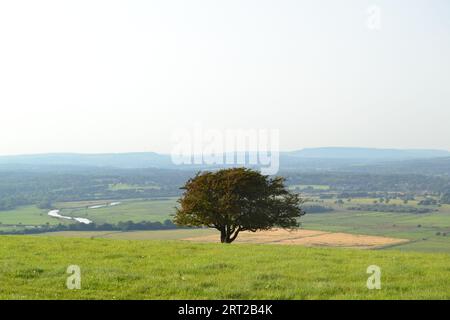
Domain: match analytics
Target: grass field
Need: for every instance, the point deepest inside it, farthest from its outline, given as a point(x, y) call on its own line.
point(27, 215)
point(35, 268)
point(134, 235)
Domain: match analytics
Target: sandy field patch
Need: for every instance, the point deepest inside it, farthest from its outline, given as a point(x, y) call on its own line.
point(308, 238)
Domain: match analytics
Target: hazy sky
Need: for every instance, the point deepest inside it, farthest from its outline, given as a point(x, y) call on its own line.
point(114, 76)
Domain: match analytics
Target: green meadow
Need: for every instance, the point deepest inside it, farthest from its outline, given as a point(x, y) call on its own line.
point(35, 268)
point(26, 215)
point(128, 210)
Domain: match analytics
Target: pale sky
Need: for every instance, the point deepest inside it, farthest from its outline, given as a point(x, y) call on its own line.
point(115, 76)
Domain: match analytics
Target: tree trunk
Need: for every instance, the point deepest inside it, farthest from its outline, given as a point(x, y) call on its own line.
point(228, 234)
point(223, 236)
point(234, 236)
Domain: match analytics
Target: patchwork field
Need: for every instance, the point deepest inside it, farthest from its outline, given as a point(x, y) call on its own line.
point(426, 232)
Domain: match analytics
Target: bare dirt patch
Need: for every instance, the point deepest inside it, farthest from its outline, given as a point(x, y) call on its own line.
point(308, 238)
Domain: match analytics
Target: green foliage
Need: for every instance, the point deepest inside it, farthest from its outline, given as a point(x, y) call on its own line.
point(120, 226)
point(428, 202)
point(45, 204)
point(235, 200)
point(25, 188)
point(390, 208)
point(314, 208)
point(356, 184)
point(445, 198)
point(9, 202)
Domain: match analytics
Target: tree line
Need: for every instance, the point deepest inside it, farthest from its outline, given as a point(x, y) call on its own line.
point(120, 226)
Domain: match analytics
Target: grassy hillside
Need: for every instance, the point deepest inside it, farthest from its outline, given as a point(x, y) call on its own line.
point(35, 268)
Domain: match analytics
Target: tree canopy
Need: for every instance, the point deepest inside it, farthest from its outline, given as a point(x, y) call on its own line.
point(238, 199)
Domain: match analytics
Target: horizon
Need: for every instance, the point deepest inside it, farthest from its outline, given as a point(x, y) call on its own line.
point(247, 151)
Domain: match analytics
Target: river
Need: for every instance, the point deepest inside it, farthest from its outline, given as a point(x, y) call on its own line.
point(55, 213)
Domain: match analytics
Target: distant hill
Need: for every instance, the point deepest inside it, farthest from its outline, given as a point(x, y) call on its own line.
point(317, 159)
point(116, 160)
point(368, 153)
point(434, 166)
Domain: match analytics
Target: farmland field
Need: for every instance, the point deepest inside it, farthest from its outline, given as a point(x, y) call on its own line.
point(27, 215)
point(128, 210)
point(35, 268)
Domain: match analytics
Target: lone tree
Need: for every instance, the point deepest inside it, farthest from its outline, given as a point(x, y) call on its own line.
point(235, 200)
